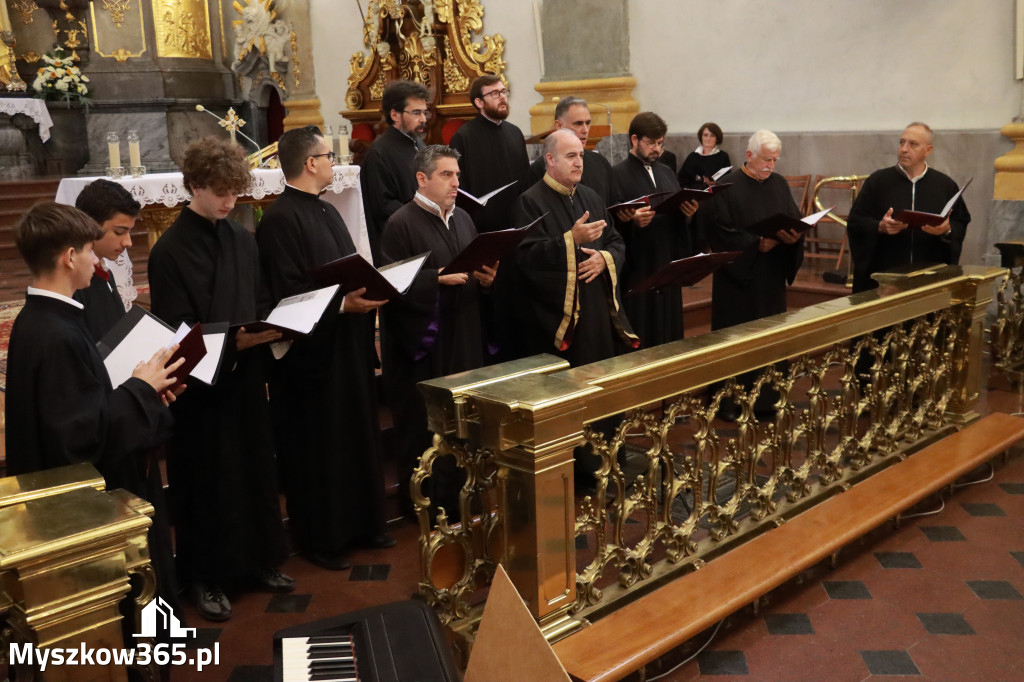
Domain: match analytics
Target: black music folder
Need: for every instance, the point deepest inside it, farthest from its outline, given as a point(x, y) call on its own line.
point(294, 316)
point(489, 248)
point(780, 221)
point(685, 272)
point(139, 335)
point(919, 218)
point(640, 202)
point(468, 202)
point(354, 272)
point(672, 202)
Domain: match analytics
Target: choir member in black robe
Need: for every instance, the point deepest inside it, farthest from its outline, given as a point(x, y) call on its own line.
point(652, 240)
point(220, 466)
point(754, 285)
point(877, 240)
point(704, 161)
point(115, 209)
point(322, 391)
point(493, 155)
point(572, 113)
point(61, 408)
point(387, 177)
point(565, 284)
point(434, 329)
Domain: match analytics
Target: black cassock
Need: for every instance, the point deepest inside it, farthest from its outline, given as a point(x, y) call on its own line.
point(61, 410)
point(557, 312)
point(433, 330)
point(103, 305)
point(220, 464)
point(597, 174)
point(492, 156)
point(656, 316)
point(697, 166)
point(322, 392)
point(888, 188)
point(754, 285)
point(387, 179)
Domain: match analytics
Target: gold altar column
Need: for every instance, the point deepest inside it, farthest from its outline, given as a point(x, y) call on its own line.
point(1009, 180)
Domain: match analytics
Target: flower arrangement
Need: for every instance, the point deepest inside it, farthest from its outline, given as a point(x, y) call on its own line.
point(60, 79)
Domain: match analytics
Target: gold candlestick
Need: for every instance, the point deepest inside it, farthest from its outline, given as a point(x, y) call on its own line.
point(7, 36)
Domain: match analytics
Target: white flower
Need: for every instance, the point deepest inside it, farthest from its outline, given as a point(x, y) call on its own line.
point(61, 85)
point(85, 79)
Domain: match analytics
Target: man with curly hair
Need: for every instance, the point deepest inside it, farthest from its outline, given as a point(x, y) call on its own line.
point(221, 468)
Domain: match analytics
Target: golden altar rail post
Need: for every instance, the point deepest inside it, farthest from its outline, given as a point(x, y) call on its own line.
point(836, 420)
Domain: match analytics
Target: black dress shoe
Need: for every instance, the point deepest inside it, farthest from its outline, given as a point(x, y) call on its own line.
point(382, 541)
point(212, 603)
point(338, 562)
point(273, 580)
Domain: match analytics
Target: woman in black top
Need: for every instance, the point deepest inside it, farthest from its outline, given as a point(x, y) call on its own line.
point(705, 160)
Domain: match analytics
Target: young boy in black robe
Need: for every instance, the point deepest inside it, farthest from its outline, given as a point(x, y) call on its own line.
point(435, 328)
point(322, 390)
point(115, 209)
point(221, 468)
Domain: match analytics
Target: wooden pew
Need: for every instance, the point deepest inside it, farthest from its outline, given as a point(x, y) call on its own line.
point(657, 623)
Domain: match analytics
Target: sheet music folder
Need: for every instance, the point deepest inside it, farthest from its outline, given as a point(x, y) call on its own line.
point(770, 226)
point(685, 271)
point(138, 336)
point(354, 272)
point(672, 202)
point(489, 248)
point(920, 218)
point(294, 316)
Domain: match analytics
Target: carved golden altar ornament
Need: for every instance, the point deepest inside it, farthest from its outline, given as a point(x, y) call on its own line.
point(24, 8)
point(121, 53)
point(31, 57)
point(231, 123)
point(182, 28)
point(117, 9)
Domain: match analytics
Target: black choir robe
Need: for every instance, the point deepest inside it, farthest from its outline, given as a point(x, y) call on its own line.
point(597, 174)
point(754, 285)
point(697, 166)
point(432, 331)
point(557, 312)
point(872, 251)
point(387, 179)
point(656, 316)
point(322, 391)
point(103, 305)
point(220, 465)
point(492, 156)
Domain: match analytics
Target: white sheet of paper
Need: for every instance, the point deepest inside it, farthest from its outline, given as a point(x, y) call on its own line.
point(183, 331)
point(949, 204)
point(139, 345)
point(303, 311)
point(720, 173)
point(401, 276)
point(815, 217)
point(206, 368)
point(485, 198)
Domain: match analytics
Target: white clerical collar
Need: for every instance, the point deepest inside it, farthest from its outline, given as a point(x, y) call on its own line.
point(700, 150)
point(429, 206)
point(913, 180)
point(33, 291)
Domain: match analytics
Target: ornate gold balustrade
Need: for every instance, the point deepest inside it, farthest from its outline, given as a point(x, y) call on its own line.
point(854, 384)
point(1008, 328)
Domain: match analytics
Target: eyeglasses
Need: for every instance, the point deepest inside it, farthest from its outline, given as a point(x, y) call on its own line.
point(660, 144)
point(425, 113)
point(498, 93)
point(330, 156)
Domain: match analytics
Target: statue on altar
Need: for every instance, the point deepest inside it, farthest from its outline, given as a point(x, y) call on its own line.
point(259, 33)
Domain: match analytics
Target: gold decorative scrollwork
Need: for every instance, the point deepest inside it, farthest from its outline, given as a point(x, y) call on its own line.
point(117, 9)
point(31, 57)
point(24, 8)
point(488, 56)
point(377, 89)
point(296, 72)
point(454, 79)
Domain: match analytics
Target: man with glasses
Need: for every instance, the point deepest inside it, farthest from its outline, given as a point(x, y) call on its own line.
point(572, 113)
point(322, 391)
point(493, 154)
point(388, 180)
point(652, 240)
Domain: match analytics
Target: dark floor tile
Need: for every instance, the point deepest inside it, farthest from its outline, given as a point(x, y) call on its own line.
point(1019, 556)
point(943, 533)
point(203, 639)
point(582, 542)
point(846, 589)
point(994, 589)
point(252, 673)
point(722, 663)
point(945, 624)
point(889, 663)
point(788, 624)
point(1013, 488)
point(288, 603)
point(983, 509)
point(897, 560)
point(370, 572)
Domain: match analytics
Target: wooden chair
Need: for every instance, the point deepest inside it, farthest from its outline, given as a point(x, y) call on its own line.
point(800, 184)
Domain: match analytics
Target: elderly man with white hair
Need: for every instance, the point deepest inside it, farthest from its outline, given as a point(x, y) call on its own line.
point(754, 285)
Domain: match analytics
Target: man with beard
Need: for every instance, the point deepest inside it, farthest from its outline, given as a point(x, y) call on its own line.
point(387, 178)
point(434, 329)
point(322, 391)
point(115, 210)
point(493, 154)
point(877, 240)
point(573, 114)
point(566, 269)
point(652, 240)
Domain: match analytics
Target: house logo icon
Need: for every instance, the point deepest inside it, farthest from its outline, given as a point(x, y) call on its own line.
point(158, 615)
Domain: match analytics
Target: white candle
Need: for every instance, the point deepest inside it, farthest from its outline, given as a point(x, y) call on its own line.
point(134, 154)
point(114, 150)
point(343, 144)
point(5, 19)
